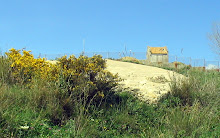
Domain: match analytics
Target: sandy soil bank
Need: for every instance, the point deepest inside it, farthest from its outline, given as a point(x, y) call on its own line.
point(147, 82)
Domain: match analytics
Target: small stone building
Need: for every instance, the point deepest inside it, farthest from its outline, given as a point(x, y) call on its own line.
point(157, 54)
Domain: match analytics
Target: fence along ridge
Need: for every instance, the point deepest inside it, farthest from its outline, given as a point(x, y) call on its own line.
point(194, 62)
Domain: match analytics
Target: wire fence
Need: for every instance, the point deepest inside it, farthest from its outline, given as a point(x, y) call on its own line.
point(181, 61)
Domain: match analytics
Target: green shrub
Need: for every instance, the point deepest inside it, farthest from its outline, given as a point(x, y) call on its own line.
point(199, 86)
point(181, 93)
point(80, 83)
point(5, 71)
point(130, 59)
point(82, 102)
point(86, 79)
point(190, 102)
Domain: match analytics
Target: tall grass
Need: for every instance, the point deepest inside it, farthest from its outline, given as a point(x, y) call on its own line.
point(191, 109)
point(193, 105)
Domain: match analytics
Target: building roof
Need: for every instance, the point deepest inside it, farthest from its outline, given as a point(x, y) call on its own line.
point(158, 50)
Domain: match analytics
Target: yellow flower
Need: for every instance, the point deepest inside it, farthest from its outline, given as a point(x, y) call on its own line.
point(24, 127)
point(101, 94)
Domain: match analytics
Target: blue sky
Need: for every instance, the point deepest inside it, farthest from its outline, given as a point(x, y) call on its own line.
point(59, 26)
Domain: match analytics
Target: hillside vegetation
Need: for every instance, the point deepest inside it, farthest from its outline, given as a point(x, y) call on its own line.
point(77, 97)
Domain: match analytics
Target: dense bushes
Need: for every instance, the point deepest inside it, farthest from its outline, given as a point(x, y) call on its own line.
point(73, 74)
point(64, 102)
point(64, 89)
point(199, 87)
point(86, 78)
point(25, 67)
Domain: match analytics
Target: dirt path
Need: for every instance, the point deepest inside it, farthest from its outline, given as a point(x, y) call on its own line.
point(148, 82)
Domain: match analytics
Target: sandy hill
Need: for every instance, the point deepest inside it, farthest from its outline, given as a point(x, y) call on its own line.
point(147, 82)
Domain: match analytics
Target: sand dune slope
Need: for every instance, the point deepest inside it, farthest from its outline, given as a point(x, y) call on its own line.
point(147, 82)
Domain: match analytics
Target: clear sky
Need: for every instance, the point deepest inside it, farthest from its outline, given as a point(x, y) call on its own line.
point(59, 26)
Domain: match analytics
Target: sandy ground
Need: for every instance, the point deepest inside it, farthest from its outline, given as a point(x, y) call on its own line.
point(147, 82)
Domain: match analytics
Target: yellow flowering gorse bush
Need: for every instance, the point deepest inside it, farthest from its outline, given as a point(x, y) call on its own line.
point(87, 74)
point(82, 76)
point(25, 66)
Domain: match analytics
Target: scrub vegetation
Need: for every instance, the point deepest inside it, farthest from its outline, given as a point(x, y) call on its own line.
point(77, 97)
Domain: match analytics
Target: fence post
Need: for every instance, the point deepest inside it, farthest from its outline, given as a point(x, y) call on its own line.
point(204, 66)
point(190, 61)
point(218, 67)
point(175, 62)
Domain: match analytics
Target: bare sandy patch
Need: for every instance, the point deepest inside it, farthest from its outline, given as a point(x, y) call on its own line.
point(147, 82)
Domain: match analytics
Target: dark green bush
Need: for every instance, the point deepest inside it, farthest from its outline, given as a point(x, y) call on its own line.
point(86, 79)
point(182, 93)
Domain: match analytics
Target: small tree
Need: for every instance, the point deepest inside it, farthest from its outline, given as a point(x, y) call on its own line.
point(215, 38)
